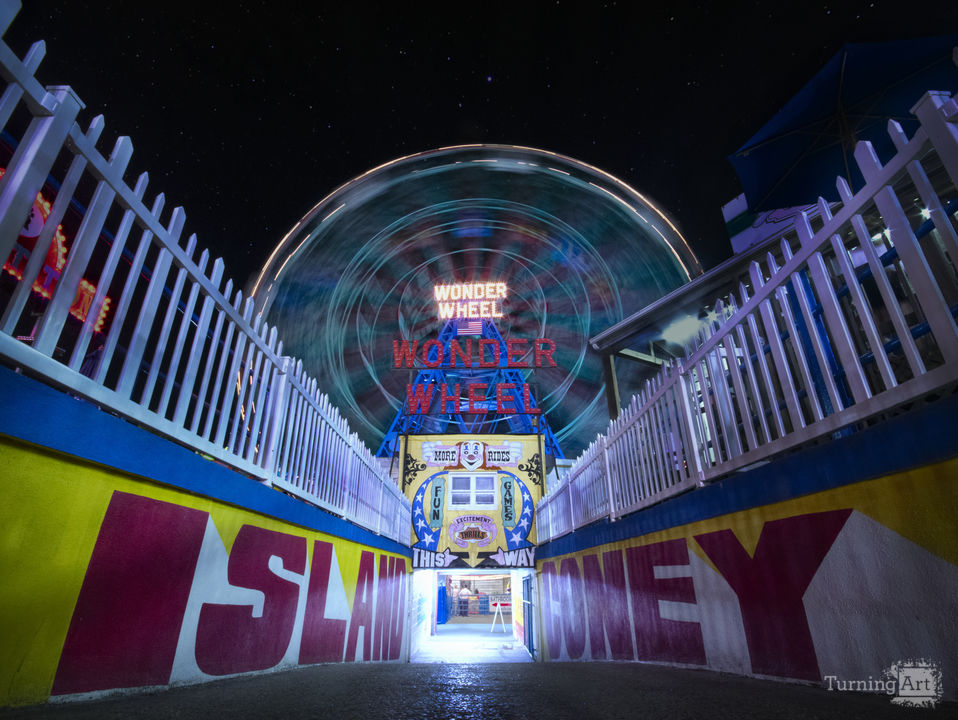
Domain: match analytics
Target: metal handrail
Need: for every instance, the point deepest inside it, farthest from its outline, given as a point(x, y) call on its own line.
point(846, 324)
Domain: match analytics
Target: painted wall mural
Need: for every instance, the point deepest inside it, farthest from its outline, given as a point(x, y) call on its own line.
point(473, 499)
point(843, 583)
point(122, 584)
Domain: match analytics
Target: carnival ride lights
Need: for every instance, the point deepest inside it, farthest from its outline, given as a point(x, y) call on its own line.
point(53, 264)
point(575, 248)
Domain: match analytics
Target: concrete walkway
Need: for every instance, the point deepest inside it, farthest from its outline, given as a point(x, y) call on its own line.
point(471, 643)
point(560, 691)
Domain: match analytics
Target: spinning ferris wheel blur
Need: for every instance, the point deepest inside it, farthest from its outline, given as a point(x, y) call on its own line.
point(577, 248)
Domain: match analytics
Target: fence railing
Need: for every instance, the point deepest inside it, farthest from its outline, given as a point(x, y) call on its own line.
point(842, 326)
point(100, 294)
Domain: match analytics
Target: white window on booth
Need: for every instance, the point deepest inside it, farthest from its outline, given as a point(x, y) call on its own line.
point(473, 491)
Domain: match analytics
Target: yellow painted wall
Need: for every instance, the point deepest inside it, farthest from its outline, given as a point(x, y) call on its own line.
point(848, 582)
point(49, 523)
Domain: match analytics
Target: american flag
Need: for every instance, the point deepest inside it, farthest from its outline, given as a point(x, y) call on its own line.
point(468, 327)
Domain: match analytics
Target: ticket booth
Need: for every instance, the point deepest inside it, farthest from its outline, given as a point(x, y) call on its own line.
point(473, 539)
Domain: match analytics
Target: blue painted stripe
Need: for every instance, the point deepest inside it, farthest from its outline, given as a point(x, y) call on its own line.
point(39, 414)
point(920, 437)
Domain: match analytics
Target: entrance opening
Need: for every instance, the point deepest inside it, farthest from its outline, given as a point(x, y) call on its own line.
point(472, 616)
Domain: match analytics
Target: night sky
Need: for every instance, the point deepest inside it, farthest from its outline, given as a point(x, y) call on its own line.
point(248, 117)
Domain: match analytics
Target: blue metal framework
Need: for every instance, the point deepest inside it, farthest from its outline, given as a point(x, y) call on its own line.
point(435, 421)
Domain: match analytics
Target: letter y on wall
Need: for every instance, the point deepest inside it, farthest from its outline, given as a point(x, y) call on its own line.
point(770, 586)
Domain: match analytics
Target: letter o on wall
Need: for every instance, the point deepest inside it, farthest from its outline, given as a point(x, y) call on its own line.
point(573, 608)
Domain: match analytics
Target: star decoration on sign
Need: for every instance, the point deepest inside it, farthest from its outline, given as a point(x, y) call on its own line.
point(427, 540)
point(519, 538)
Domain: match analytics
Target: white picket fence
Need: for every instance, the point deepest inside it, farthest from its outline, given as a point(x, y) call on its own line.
point(124, 313)
point(834, 329)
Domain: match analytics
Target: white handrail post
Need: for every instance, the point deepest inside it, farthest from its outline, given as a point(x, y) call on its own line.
point(942, 131)
point(608, 476)
point(31, 163)
point(692, 453)
point(379, 512)
point(350, 487)
point(280, 395)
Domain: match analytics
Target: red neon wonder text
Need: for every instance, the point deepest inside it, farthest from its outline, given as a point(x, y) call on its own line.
point(486, 353)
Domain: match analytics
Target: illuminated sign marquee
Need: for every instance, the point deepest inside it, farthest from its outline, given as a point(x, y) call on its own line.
point(473, 302)
point(470, 300)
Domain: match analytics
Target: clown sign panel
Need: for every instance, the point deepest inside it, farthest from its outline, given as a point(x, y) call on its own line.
point(473, 499)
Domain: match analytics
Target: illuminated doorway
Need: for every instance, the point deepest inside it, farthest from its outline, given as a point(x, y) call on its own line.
point(471, 616)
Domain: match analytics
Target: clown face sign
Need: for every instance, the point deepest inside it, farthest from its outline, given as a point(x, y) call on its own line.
point(471, 454)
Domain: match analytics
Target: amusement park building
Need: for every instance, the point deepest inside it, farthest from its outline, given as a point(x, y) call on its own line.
point(183, 501)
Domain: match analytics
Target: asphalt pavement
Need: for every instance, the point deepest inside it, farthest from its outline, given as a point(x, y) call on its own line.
point(504, 691)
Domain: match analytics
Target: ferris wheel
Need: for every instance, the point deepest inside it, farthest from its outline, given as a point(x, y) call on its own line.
point(577, 249)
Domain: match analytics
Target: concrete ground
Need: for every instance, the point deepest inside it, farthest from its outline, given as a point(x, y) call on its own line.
point(473, 641)
point(505, 691)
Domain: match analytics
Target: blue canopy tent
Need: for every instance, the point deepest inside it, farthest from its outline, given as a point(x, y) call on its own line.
point(794, 159)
